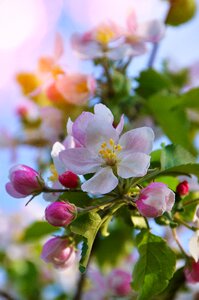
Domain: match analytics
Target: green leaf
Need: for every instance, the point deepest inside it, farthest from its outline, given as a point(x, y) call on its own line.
point(110, 250)
point(86, 225)
point(168, 113)
point(152, 82)
point(175, 155)
point(155, 266)
point(37, 230)
point(190, 99)
point(171, 182)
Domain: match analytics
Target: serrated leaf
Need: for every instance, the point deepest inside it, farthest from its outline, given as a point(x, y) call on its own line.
point(155, 266)
point(86, 225)
point(37, 230)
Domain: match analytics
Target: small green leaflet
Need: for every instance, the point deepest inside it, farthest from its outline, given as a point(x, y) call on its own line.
point(155, 267)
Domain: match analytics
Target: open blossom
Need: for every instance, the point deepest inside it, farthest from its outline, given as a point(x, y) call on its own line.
point(101, 150)
point(192, 272)
point(115, 42)
point(75, 88)
point(24, 181)
point(155, 199)
point(60, 213)
point(119, 282)
point(59, 252)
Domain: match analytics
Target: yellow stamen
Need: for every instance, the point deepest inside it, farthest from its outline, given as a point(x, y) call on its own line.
point(109, 153)
point(82, 87)
point(54, 175)
point(104, 35)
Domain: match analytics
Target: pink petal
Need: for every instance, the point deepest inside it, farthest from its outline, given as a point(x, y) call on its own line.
point(80, 161)
point(133, 165)
point(103, 112)
point(138, 140)
point(132, 22)
point(80, 126)
point(151, 31)
point(58, 47)
point(104, 181)
point(12, 192)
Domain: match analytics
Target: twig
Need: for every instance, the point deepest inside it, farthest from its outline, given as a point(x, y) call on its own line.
point(6, 296)
point(178, 242)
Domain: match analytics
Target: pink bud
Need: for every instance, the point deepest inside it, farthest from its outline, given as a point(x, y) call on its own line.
point(183, 188)
point(119, 282)
point(59, 252)
point(192, 272)
point(60, 213)
point(24, 181)
point(69, 180)
point(155, 199)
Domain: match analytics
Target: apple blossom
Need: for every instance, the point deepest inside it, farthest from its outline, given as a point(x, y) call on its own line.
point(60, 213)
point(119, 283)
point(59, 252)
point(115, 42)
point(75, 88)
point(155, 199)
point(192, 272)
point(102, 151)
point(24, 181)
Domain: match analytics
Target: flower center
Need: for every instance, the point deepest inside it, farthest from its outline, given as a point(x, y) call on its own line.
point(109, 152)
point(104, 35)
point(82, 87)
point(54, 175)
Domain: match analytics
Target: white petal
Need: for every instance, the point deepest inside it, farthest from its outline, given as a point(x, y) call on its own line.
point(98, 133)
point(103, 112)
point(69, 126)
point(104, 181)
point(151, 31)
point(194, 247)
point(138, 140)
point(80, 161)
point(57, 148)
point(80, 126)
point(120, 126)
point(133, 165)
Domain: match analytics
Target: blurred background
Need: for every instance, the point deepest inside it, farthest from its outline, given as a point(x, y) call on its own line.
point(27, 32)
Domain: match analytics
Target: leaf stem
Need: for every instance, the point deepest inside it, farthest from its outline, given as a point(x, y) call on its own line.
point(101, 205)
point(191, 202)
point(193, 228)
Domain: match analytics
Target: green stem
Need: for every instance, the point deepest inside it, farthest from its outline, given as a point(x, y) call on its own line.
point(178, 220)
point(191, 202)
point(102, 205)
point(50, 190)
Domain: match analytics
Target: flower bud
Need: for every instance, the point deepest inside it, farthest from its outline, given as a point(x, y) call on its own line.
point(24, 181)
point(155, 199)
point(192, 272)
point(119, 283)
point(183, 188)
point(69, 180)
point(60, 213)
point(58, 252)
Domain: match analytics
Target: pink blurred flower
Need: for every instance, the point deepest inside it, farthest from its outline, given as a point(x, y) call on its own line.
point(119, 282)
point(114, 42)
point(60, 213)
point(24, 181)
point(192, 272)
point(102, 151)
point(76, 88)
point(155, 199)
point(58, 252)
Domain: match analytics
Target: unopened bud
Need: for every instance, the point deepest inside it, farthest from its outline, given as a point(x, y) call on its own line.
point(69, 180)
point(60, 213)
point(183, 188)
point(24, 181)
